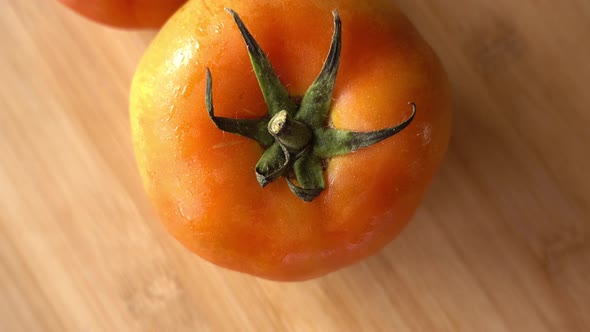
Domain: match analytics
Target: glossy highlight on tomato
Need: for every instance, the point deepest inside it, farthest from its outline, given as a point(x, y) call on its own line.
point(201, 179)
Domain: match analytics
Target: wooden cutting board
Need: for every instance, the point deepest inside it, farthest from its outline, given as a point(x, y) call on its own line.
point(501, 242)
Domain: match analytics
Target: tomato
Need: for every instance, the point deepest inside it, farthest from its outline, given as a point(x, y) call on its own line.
point(126, 13)
point(236, 200)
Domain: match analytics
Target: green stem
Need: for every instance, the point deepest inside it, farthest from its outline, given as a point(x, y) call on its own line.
point(296, 138)
point(294, 135)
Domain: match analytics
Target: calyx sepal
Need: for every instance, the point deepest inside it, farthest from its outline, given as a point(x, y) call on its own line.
point(295, 136)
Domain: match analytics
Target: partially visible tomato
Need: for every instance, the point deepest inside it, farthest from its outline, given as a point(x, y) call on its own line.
point(126, 13)
point(202, 180)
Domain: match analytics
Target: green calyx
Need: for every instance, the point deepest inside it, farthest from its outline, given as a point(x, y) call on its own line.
point(295, 135)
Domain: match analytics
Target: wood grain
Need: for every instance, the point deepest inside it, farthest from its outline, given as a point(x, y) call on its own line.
point(500, 244)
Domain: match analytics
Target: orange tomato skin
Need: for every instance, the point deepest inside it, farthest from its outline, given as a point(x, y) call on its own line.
point(201, 180)
point(126, 13)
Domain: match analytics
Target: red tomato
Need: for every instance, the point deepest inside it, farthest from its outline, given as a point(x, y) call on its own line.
point(126, 13)
point(332, 194)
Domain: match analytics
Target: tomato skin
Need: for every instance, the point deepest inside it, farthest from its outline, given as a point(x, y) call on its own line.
point(201, 180)
point(126, 13)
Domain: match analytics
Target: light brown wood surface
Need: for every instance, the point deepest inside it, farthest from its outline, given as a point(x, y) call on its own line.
point(501, 242)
